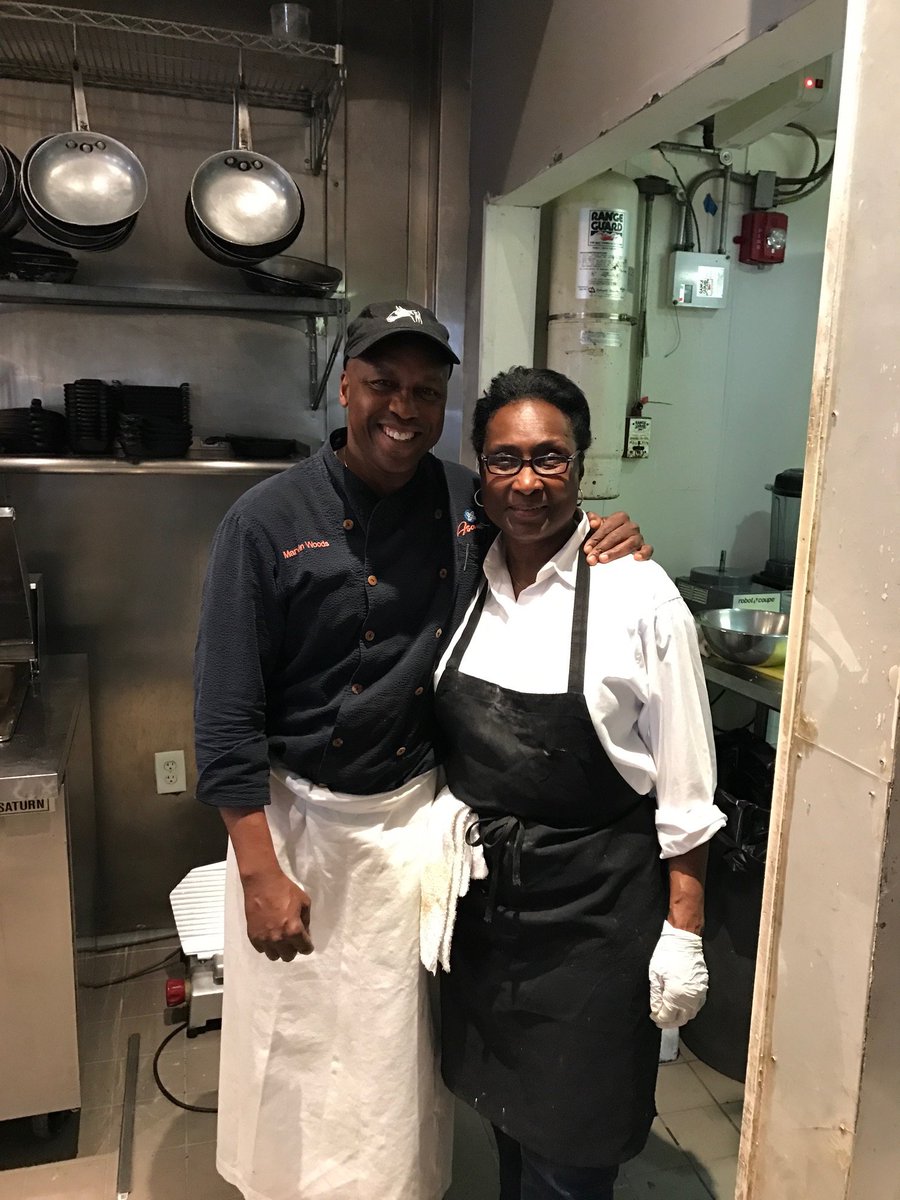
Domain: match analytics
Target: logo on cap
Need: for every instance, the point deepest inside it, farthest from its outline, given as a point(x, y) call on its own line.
point(400, 312)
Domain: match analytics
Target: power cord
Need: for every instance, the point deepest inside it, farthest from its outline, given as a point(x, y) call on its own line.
point(669, 353)
point(202, 1108)
point(134, 974)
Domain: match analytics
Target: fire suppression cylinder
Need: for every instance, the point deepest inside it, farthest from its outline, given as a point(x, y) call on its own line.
point(591, 316)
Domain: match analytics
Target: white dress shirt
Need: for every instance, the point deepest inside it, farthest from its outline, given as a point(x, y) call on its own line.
point(644, 683)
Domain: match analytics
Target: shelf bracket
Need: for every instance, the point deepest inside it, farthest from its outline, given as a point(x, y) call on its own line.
point(312, 338)
point(322, 118)
point(319, 393)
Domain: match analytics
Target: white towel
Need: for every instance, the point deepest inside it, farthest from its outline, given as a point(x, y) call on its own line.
point(449, 863)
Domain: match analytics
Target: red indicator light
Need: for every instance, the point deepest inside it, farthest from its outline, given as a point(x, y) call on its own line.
point(810, 83)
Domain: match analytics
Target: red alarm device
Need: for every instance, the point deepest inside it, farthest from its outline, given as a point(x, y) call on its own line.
point(763, 238)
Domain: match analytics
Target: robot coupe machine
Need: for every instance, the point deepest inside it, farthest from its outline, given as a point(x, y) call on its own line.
point(198, 905)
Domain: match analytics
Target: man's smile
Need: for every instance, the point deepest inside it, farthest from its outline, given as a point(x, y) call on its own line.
point(397, 435)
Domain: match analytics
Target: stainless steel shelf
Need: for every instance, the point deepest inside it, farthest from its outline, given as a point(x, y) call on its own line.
point(171, 58)
point(15, 292)
point(160, 466)
point(166, 57)
point(762, 689)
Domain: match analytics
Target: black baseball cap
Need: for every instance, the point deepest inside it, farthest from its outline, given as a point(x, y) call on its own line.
point(387, 318)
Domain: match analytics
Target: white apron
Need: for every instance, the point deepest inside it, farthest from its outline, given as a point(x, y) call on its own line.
point(329, 1087)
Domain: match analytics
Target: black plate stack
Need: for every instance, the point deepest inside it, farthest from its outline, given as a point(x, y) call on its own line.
point(33, 430)
point(34, 263)
point(89, 416)
point(152, 422)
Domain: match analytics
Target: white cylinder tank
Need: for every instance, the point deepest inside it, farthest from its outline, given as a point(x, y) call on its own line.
point(592, 270)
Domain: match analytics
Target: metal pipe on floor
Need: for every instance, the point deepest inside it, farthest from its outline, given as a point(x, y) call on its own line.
point(126, 1132)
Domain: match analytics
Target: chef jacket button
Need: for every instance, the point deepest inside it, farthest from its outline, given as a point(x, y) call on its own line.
point(371, 581)
point(348, 524)
point(442, 573)
point(337, 743)
point(420, 691)
point(400, 751)
point(438, 513)
point(438, 632)
point(369, 635)
point(356, 688)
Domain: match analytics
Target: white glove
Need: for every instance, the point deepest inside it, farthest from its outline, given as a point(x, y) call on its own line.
point(678, 977)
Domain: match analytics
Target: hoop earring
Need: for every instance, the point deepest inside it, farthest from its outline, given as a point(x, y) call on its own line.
point(580, 497)
point(477, 498)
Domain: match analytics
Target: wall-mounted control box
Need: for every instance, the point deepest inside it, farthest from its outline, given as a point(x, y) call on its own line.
point(699, 280)
point(637, 437)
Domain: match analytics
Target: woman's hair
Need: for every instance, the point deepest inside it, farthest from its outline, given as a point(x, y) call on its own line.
point(533, 383)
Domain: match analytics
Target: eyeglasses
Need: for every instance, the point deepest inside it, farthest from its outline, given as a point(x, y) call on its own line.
point(542, 464)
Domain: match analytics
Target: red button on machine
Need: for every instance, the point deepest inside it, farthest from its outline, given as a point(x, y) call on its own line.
point(176, 993)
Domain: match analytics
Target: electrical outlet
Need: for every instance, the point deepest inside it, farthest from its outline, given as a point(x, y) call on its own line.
point(170, 771)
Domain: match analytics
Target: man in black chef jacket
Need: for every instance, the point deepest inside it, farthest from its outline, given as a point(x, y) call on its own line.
point(330, 589)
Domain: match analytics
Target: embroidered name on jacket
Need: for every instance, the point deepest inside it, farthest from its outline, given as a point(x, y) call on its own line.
point(301, 546)
point(468, 524)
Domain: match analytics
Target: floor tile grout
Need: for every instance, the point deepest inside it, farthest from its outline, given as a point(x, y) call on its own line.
point(167, 1134)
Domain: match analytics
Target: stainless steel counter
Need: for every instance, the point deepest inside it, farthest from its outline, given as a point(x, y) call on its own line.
point(33, 763)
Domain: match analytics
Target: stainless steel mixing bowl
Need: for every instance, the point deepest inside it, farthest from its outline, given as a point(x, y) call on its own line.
point(749, 636)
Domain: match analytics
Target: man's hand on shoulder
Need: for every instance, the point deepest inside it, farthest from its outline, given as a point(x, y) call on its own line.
point(613, 537)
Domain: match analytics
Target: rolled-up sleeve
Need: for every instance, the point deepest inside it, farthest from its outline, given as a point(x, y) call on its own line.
point(676, 724)
point(240, 632)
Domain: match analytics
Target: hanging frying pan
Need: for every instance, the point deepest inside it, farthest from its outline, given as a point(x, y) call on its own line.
point(215, 248)
point(244, 199)
point(288, 276)
point(209, 245)
point(12, 215)
point(81, 178)
point(53, 233)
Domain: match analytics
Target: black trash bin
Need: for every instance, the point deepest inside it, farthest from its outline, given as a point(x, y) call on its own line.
point(720, 1033)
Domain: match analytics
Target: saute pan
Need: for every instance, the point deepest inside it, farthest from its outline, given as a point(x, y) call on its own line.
point(12, 215)
point(244, 199)
point(82, 178)
point(286, 275)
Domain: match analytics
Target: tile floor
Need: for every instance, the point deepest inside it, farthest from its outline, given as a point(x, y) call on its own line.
point(691, 1155)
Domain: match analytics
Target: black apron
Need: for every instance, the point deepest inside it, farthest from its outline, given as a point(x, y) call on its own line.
point(545, 1012)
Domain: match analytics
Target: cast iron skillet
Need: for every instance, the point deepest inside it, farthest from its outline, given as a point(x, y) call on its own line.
point(285, 275)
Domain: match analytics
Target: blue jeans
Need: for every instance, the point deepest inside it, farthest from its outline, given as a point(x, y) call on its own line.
point(524, 1175)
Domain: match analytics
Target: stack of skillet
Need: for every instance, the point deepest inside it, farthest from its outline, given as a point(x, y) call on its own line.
point(140, 421)
point(242, 207)
point(35, 263)
point(33, 430)
point(80, 189)
point(89, 416)
point(152, 422)
point(12, 215)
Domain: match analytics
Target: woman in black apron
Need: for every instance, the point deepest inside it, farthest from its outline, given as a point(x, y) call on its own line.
point(546, 1025)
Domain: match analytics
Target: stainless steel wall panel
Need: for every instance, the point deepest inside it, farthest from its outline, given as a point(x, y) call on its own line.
point(123, 559)
point(123, 556)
